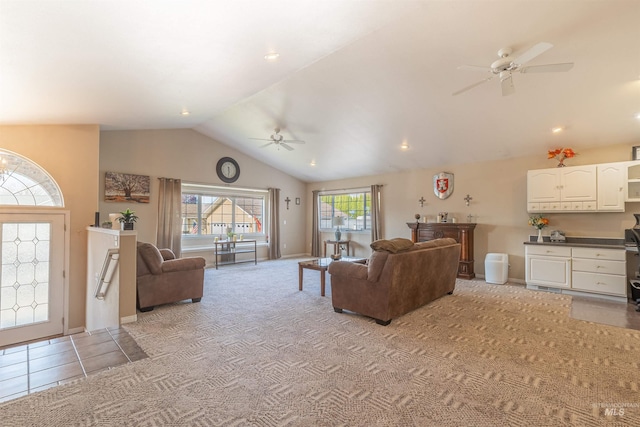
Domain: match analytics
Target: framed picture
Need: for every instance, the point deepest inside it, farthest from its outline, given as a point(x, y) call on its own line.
point(635, 153)
point(124, 187)
point(297, 200)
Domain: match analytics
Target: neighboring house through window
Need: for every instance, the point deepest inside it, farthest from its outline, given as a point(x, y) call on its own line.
point(211, 211)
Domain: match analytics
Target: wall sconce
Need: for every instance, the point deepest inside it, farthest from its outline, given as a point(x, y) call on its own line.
point(421, 200)
point(468, 199)
point(287, 201)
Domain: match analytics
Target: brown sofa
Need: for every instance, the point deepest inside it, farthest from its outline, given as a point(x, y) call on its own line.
point(399, 277)
point(162, 279)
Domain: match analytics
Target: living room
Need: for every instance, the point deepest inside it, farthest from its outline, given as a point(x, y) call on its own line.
point(489, 179)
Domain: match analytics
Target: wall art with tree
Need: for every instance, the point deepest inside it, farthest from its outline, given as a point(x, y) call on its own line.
point(123, 187)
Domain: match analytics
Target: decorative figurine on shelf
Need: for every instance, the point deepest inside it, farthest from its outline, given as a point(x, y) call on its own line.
point(417, 217)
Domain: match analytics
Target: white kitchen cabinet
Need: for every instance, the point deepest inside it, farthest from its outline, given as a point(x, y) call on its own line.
point(576, 269)
point(562, 189)
point(548, 266)
point(632, 177)
point(601, 271)
point(611, 185)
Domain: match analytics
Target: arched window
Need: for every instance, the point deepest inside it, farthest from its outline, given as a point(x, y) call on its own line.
point(24, 183)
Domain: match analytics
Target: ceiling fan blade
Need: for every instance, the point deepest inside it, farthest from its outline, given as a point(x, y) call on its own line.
point(507, 85)
point(474, 68)
point(472, 86)
point(265, 145)
point(536, 50)
point(282, 144)
point(293, 141)
point(549, 68)
point(261, 139)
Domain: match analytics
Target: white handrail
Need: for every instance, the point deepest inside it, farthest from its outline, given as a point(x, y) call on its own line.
point(108, 268)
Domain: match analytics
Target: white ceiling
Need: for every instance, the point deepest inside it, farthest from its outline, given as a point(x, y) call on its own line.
point(355, 78)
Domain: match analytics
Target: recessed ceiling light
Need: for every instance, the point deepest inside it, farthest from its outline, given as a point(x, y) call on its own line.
point(637, 116)
point(404, 146)
point(185, 113)
point(557, 129)
point(313, 163)
point(272, 56)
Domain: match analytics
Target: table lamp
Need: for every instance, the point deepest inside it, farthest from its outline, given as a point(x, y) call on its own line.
point(337, 222)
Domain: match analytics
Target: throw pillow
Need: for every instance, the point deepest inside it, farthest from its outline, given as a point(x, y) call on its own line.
point(393, 245)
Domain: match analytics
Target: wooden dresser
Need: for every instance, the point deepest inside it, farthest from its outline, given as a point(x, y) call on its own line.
point(462, 233)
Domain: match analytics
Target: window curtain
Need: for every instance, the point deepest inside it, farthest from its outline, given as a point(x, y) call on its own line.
point(169, 232)
point(274, 223)
point(376, 220)
point(315, 226)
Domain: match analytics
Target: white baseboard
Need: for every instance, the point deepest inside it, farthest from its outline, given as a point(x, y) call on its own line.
point(129, 319)
point(72, 331)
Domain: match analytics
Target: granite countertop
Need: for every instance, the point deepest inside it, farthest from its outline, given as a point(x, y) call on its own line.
point(581, 242)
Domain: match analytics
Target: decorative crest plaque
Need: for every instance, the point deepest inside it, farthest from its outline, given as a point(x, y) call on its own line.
point(443, 184)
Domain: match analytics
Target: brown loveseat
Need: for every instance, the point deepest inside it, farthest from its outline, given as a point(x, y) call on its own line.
point(162, 279)
point(399, 277)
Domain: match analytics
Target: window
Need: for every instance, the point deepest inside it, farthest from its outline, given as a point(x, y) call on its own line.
point(354, 208)
point(217, 212)
point(24, 183)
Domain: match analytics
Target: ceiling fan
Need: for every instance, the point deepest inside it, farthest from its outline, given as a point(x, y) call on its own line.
point(279, 140)
point(507, 65)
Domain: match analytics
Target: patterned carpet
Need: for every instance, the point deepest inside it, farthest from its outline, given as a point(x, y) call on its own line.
point(257, 352)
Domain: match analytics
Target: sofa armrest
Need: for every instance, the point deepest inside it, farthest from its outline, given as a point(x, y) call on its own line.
point(183, 264)
point(349, 269)
point(167, 254)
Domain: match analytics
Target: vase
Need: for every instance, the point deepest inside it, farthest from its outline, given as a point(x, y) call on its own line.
point(561, 164)
point(540, 239)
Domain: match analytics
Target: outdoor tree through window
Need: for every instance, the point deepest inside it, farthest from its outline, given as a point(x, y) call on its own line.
point(355, 208)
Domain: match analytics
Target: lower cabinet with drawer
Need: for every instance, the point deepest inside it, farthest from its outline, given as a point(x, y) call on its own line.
point(601, 271)
point(548, 266)
point(592, 270)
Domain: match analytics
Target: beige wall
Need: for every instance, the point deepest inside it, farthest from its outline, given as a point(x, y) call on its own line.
point(192, 157)
point(498, 189)
point(70, 155)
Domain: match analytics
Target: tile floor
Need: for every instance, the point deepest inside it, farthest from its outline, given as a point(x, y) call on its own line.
point(620, 314)
point(39, 365)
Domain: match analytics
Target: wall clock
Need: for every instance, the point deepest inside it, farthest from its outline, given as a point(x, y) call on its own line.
point(228, 170)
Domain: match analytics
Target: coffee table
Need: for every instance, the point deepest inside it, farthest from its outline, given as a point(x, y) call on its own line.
point(321, 265)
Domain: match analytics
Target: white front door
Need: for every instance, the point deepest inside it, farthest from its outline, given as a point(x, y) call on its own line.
point(32, 254)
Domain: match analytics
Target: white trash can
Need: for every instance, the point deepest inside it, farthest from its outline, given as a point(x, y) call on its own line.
point(496, 268)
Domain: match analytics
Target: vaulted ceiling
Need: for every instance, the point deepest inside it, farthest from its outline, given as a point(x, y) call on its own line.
point(355, 79)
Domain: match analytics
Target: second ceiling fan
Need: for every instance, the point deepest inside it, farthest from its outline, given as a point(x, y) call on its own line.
point(279, 141)
point(507, 65)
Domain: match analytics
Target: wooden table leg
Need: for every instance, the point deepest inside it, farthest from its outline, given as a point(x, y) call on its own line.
point(321, 283)
point(299, 277)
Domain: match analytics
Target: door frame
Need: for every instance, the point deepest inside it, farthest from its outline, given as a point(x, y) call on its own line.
point(29, 210)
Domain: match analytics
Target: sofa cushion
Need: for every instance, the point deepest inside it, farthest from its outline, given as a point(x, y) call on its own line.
point(152, 258)
point(393, 246)
point(376, 264)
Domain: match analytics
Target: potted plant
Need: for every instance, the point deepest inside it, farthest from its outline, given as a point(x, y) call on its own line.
point(127, 218)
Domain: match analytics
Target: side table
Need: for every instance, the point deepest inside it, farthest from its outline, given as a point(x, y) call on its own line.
point(337, 246)
point(321, 265)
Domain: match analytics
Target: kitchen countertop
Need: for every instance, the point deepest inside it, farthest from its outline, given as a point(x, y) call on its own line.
point(581, 242)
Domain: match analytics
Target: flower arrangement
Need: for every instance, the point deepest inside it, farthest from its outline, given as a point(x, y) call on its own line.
point(538, 221)
point(561, 154)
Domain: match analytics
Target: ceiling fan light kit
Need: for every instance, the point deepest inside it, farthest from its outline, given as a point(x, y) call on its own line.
point(507, 65)
point(279, 141)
